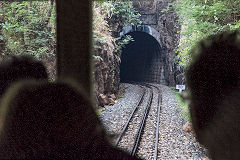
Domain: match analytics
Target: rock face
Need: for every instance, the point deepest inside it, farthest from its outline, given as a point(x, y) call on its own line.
point(106, 76)
point(50, 63)
point(187, 127)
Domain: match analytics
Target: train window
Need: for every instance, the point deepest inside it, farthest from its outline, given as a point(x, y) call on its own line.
point(133, 54)
point(29, 28)
point(135, 66)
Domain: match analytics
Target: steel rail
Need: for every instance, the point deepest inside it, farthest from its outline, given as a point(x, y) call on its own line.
point(158, 121)
point(137, 138)
point(129, 119)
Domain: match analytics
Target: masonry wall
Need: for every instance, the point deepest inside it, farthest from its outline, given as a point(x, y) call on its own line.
point(167, 27)
point(143, 60)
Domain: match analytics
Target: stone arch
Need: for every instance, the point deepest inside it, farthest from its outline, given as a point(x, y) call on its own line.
point(143, 28)
point(145, 58)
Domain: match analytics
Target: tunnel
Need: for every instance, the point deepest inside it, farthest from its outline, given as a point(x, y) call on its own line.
point(143, 60)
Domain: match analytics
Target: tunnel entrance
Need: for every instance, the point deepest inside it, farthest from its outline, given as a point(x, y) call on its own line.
point(143, 60)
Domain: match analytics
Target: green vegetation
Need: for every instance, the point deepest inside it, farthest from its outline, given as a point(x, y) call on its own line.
point(108, 19)
point(201, 18)
point(28, 27)
point(124, 13)
point(184, 108)
point(99, 112)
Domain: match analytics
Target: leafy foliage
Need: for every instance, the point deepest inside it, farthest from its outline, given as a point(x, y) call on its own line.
point(201, 18)
point(101, 32)
point(108, 17)
point(125, 14)
point(28, 27)
point(122, 42)
point(183, 105)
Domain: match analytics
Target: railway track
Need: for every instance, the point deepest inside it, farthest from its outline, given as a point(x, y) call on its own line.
point(169, 142)
point(140, 120)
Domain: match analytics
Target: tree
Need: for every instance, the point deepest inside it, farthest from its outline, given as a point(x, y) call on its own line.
point(201, 18)
point(28, 28)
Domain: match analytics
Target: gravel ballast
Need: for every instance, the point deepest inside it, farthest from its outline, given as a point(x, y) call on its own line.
point(173, 142)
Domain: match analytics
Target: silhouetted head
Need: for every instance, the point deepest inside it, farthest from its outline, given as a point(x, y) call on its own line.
point(19, 68)
point(213, 79)
point(51, 120)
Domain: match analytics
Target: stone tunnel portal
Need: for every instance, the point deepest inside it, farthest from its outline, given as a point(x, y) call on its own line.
point(143, 60)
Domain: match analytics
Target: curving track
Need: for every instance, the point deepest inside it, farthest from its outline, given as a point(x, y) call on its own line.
point(138, 129)
point(145, 123)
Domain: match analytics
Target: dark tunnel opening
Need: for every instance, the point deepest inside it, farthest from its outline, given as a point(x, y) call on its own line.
point(142, 60)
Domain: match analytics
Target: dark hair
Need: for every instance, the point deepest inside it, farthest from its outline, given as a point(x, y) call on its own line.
point(19, 68)
point(213, 75)
point(51, 120)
